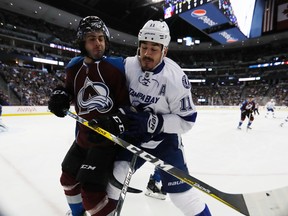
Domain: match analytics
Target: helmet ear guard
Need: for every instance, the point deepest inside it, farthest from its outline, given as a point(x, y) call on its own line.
point(155, 31)
point(91, 24)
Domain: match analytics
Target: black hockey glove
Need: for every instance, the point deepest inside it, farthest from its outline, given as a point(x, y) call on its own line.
point(115, 123)
point(144, 125)
point(59, 102)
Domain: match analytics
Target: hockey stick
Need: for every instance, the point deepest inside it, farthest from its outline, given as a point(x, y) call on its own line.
point(3, 128)
point(119, 185)
point(125, 186)
point(273, 202)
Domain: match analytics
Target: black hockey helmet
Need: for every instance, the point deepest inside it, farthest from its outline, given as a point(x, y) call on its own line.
point(91, 24)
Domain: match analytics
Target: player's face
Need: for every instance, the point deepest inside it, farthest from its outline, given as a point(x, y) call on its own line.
point(95, 44)
point(150, 55)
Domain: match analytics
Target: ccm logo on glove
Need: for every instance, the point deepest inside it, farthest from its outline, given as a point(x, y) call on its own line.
point(120, 124)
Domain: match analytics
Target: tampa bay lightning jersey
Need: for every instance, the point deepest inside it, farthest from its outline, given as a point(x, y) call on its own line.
point(166, 90)
point(270, 105)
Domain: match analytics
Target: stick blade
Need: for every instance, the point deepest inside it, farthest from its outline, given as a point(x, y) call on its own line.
point(119, 185)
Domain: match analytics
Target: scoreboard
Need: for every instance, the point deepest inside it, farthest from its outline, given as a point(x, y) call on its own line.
point(216, 18)
point(173, 7)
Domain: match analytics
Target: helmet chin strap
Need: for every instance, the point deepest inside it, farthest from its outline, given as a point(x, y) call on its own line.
point(161, 59)
point(163, 53)
point(94, 59)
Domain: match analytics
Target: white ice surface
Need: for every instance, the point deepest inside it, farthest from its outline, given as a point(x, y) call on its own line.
point(231, 160)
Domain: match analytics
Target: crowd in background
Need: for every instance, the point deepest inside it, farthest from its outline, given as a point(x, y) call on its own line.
point(32, 85)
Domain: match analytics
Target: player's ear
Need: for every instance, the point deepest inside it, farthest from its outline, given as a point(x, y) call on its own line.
point(165, 51)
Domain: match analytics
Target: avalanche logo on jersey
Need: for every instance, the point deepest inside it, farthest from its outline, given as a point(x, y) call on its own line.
point(249, 106)
point(94, 95)
point(147, 78)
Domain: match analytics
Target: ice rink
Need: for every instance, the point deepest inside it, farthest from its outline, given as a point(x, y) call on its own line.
point(231, 160)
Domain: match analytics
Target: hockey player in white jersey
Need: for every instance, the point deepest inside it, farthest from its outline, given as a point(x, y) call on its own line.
point(270, 107)
point(285, 121)
point(161, 92)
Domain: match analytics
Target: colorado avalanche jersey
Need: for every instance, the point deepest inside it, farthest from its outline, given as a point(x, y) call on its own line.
point(166, 90)
point(248, 106)
point(97, 89)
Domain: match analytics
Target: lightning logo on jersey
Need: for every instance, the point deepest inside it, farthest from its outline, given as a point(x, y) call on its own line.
point(147, 78)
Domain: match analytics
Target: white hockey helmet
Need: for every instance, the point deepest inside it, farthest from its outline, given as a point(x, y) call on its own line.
point(155, 31)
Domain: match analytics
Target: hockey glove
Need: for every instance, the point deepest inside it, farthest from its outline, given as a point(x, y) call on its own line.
point(144, 125)
point(59, 102)
point(114, 123)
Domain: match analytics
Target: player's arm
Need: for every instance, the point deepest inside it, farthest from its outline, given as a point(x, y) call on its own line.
point(180, 119)
point(243, 107)
point(183, 113)
point(60, 99)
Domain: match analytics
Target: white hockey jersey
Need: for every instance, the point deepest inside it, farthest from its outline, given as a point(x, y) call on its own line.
point(165, 91)
point(270, 105)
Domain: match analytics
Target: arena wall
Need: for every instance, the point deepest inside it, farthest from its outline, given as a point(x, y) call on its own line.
point(43, 110)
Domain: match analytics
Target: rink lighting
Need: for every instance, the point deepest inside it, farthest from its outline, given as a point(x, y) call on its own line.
point(249, 79)
point(202, 100)
point(197, 80)
point(271, 64)
point(57, 46)
point(48, 61)
point(194, 69)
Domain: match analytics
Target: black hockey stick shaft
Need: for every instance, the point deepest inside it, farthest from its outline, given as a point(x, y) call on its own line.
point(119, 185)
point(125, 186)
point(235, 201)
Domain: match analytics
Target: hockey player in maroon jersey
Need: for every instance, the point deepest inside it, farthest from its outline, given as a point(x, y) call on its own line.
point(247, 108)
point(95, 85)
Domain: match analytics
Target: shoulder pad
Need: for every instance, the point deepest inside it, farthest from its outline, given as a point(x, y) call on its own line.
point(74, 61)
point(117, 62)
